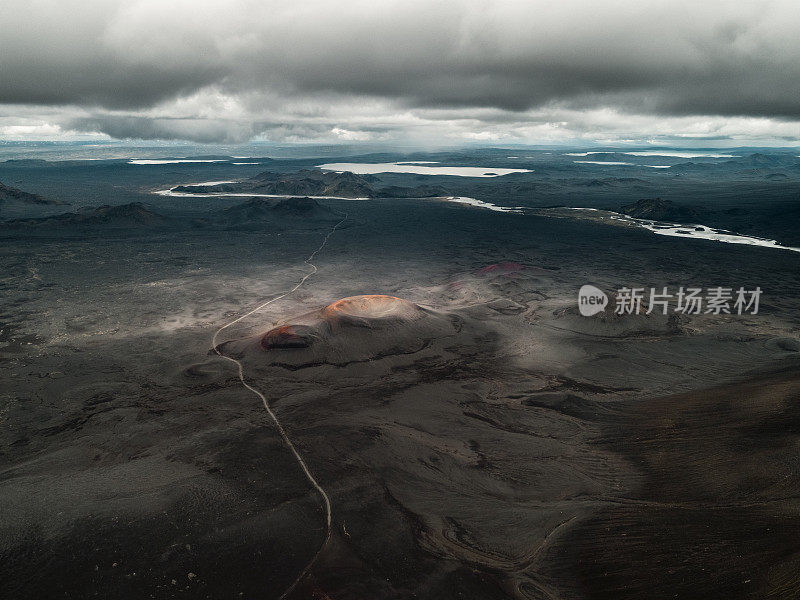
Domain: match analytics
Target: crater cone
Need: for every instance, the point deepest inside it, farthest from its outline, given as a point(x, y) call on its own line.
point(371, 310)
point(356, 329)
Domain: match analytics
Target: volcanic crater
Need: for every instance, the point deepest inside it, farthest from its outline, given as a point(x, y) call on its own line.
point(356, 329)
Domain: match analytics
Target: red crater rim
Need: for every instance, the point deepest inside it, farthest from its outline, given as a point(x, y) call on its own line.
point(503, 268)
point(371, 306)
point(373, 311)
point(286, 336)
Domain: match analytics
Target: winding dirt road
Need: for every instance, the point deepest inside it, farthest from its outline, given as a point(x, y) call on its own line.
point(287, 440)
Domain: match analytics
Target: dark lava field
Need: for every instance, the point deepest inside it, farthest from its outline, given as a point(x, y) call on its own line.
point(476, 436)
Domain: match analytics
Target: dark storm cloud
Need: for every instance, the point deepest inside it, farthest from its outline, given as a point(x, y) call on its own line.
point(198, 130)
point(102, 83)
point(281, 58)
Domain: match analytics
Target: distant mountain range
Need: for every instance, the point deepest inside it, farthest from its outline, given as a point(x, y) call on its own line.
point(255, 212)
point(660, 210)
point(315, 182)
point(307, 182)
point(135, 214)
point(261, 210)
point(12, 194)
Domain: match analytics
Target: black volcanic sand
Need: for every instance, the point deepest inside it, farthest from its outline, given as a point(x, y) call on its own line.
point(523, 478)
point(716, 514)
point(498, 446)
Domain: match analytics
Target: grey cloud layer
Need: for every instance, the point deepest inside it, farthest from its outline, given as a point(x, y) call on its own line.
point(120, 60)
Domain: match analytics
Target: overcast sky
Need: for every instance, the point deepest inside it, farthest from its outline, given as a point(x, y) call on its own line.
point(708, 72)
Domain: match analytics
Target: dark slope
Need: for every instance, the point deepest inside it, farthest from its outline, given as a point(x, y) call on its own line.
point(12, 194)
point(313, 182)
point(660, 210)
point(307, 182)
point(135, 214)
point(262, 210)
point(715, 515)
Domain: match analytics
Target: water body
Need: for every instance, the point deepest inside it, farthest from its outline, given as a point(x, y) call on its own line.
point(418, 168)
point(694, 231)
point(487, 205)
point(709, 233)
point(603, 162)
point(169, 161)
point(618, 163)
point(656, 153)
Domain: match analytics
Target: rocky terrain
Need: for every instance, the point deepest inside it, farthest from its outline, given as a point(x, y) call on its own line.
point(661, 210)
point(306, 182)
point(135, 214)
point(276, 211)
point(13, 196)
point(477, 436)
